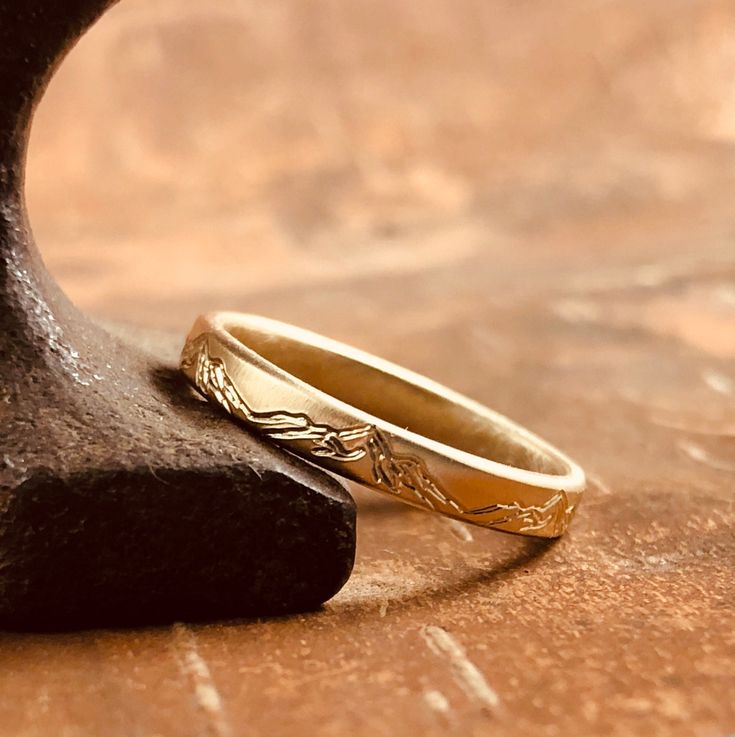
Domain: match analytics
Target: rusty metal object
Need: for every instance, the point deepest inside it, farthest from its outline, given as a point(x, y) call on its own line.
point(122, 498)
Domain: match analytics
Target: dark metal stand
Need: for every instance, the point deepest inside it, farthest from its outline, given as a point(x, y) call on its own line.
point(123, 498)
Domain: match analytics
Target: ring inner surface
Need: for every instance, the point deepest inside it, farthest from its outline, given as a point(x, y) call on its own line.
point(399, 401)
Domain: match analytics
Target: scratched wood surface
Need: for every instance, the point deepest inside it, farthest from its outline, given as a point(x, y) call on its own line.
point(531, 202)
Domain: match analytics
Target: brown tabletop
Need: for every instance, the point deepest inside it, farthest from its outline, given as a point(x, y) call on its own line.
point(531, 202)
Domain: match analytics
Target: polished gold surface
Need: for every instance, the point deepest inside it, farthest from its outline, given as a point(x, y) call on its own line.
point(381, 425)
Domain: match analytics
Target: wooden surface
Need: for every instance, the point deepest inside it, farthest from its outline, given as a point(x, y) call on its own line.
point(531, 202)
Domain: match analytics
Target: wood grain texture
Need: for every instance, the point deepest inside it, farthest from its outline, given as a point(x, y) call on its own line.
point(530, 202)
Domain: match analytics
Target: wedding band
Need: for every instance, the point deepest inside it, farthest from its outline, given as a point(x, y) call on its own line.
point(381, 425)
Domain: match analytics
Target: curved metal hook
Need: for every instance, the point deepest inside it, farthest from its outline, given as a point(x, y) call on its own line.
point(122, 498)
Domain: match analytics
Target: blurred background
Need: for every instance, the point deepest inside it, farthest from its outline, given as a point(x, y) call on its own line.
point(252, 154)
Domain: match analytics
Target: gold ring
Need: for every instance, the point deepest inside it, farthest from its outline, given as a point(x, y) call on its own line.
point(381, 425)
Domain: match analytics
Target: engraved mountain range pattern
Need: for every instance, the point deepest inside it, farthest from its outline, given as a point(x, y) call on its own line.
point(400, 474)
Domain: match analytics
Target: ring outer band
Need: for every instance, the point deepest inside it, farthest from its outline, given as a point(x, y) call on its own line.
point(369, 450)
